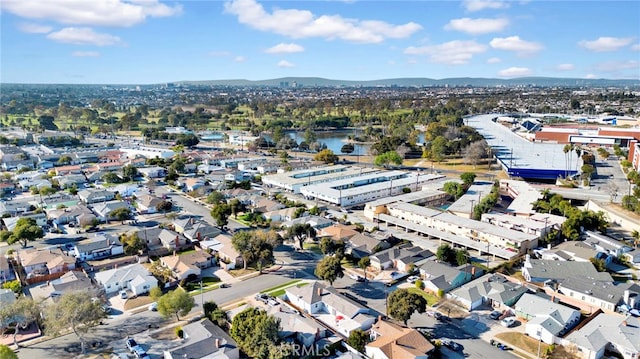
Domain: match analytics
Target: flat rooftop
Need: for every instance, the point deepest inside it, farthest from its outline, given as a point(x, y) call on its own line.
point(315, 175)
point(525, 195)
point(369, 183)
point(405, 197)
point(474, 194)
point(521, 157)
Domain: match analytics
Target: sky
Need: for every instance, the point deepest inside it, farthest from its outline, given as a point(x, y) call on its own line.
point(153, 41)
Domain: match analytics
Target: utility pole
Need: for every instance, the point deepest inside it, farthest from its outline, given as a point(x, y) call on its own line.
point(201, 297)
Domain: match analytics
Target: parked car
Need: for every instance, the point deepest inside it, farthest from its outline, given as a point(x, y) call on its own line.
point(413, 279)
point(508, 322)
point(131, 343)
point(123, 294)
point(452, 345)
point(225, 285)
point(139, 352)
point(153, 306)
point(262, 297)
point(495, 314)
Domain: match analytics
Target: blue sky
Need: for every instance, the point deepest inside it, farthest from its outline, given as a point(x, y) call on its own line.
point(152, 41)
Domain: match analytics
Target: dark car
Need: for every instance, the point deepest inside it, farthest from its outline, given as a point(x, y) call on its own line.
point(495, 315)
point(131, 344)
point(456, 347)
point(225, 285)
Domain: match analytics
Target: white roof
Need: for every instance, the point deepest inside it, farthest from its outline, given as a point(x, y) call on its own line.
point(122, 274)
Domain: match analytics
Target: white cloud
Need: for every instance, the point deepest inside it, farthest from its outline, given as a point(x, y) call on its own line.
point(494, 60)
point(452, 53)
point(240, 59)
point(590, 76)
point(477, 26)
point(304, 24)
point(285, 63)
point(391, 62)
point(515, 72)
point(118, 13)
point(604, 44)
point(85, 54)
point(617, 66)
point(83, 36)
point(283, 48)
point(514, 43)
point(565, 67)
point(477, 5)
point(32, 28)
point(635, 47)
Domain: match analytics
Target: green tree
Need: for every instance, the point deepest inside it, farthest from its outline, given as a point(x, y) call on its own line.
point(326, 156)
point(599, 264)
point(215, 313)
point(390, 157)
point(26, 230)
point(155, 293)
point(364, 263)
point(327, 245)
point(358, 338)
point(215, 197)
point(445, 253)
point(129, 172)
point(132, 244)
point(7, 353)
point(111, 177)
point(347, 148)
point(255, 331)
point(462, 256)
point(438, 148)
point(164, 206)
point(21, 313)
point(329, 269)
point(236, 207)
point(454, 189)
point(14, 285)
point(468, 178)
point(220, 213)
point(121, 214)
point(176, 302)
point(73, 310)
point(402, 304)
point(300, 232)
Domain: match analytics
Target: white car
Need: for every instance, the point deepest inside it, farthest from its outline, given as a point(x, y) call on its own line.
point(123, 294)
point(413, 279)
point(508, 322)
point(153, 306)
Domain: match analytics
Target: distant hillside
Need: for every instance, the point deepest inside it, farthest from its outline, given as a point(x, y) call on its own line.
point(425, 82)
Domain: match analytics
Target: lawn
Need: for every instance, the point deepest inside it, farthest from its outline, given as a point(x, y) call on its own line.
point(430, 298)
point(522, 342)
point(281, 286)
point(137, 302)
point(241, 271)
point(313, 247)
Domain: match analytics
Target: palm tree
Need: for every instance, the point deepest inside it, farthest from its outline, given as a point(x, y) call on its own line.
point(566, 150)
point(579, 153)
point(636, 237)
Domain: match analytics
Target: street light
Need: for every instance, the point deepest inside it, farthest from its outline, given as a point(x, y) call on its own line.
point(201, 297)
point(471, 209)
point(539, 334)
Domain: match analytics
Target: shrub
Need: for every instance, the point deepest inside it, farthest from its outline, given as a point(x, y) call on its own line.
point(441, 293)
point(179, 332)
point(419, 284)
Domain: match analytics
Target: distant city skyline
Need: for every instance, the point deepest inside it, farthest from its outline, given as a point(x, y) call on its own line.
point(151, 41)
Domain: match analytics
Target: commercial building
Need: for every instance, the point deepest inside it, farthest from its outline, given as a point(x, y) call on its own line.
point(293, 181)
point(426, 197)
point(369, 187)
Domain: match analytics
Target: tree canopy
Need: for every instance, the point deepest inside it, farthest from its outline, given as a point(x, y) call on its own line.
point(358, 338)
point(220, 213)
point(73, 310)
point(26, 230)
point(402, 304)
point(256, 332)
point(326, 156)
point(329, 269)
point(300, 232)
point(387, 158)
point(176, 302)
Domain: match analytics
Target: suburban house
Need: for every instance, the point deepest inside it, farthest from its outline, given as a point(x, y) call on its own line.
point(187, 265)
point(190, 183)
point(570, 251)
point(294, 327)
point(607, 335)
point(134, 277)
point(153, 172)
point(540, 270)
point(606, 244)
point(438, 276)
point(67, 215)
point(71, 180)
point(67, 170)
point(147, 203)
point(72, 281)
point(103, 210)
point(7, 297)
point(40, 262)
point(390, 341)
point(204, 340)
point(545, 319)
point(281, 215)
point(100, 247)
point(201, 231)
point(603, 294)
point(316, 222)
point(325, 304)
point(338, 232)
point(162, 241)
point(362, 245)
point(11, 222)
point(94, 196)
point(229, 257)
point(172, 241)
point(14, 208)
point(492, 290)
point(400, 258)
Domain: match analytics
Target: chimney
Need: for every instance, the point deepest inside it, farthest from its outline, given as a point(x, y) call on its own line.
point(624, 323)
point(320, 291)
point(473, 271)
point(217, 342)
